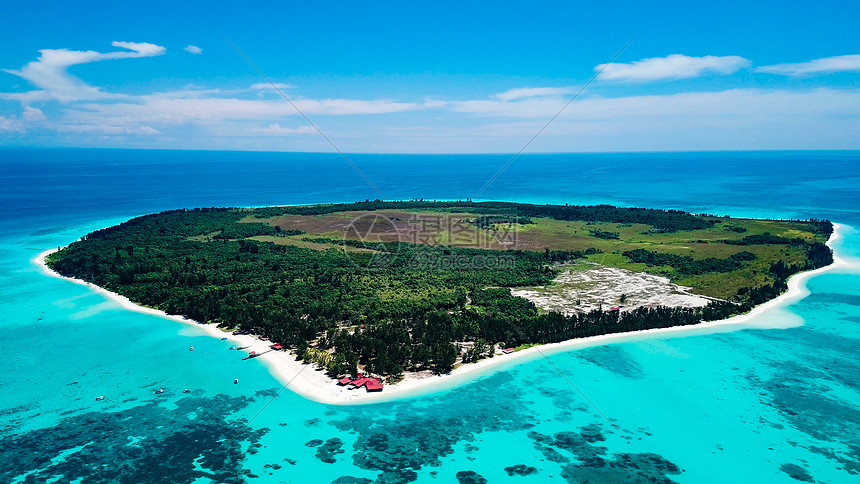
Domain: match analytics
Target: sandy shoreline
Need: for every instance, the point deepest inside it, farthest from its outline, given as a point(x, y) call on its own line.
point(311, 383)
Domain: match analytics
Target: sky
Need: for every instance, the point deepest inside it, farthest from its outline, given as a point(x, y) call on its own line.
point(432, 77)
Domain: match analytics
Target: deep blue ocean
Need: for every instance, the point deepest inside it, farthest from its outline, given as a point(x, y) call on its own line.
point(740, 405)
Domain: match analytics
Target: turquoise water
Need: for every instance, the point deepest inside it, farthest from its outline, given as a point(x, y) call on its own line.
point(750, 405)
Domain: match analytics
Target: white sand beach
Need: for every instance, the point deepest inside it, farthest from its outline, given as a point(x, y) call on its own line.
point(312, 383)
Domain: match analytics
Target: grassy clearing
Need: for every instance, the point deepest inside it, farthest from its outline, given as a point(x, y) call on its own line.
point(435, 227)
point(296, 241)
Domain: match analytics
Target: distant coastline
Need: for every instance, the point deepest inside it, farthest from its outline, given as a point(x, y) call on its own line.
point(310, 382)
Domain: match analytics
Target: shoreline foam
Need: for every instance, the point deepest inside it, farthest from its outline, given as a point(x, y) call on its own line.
point(310, 382)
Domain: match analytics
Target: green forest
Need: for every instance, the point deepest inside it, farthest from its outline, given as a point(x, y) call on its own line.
point(387, 307)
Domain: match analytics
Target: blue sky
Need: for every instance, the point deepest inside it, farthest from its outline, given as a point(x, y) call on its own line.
point(437, 77)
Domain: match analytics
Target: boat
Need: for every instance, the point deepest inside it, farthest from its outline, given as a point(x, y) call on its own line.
point(159, 391)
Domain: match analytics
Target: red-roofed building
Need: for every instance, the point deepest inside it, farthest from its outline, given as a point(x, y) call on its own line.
point(360, 382)
point(277, 346)
point(344, 381)
point(373, 386)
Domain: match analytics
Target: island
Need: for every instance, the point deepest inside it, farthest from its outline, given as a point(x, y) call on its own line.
point(378, 291)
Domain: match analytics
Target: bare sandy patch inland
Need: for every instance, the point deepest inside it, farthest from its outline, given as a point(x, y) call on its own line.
point(581, 289)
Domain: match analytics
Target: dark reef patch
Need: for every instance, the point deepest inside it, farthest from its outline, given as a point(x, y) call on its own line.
point(521, 470)
point(329, 449)
point(378, 442)
point(630, 468)
point(552, 455)
point(803, 397)
point(595, 466)
point(397, 441)
point(351, 480)
point(403, 441)
point(613, 358)
point(270, 393)
point(592, 434)
point(796, 472)
point(470, 477)
point(11, 418)
point(831, 298)
point(146, 443)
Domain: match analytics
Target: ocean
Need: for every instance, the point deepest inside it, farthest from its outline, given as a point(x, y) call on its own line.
point(779, 402)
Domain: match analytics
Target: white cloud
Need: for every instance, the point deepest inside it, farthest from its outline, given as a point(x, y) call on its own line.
point(675, 66)
point(735, 119)
point(20, 124)
point(139, 49)
point(11, 124)
point(523, 102)
point(527, 92)
point(733, 104)
point(107, 129)
point(841, 63)
point(35, 96)
point(434, 104)
point(740, 103)
point(90, 110)
point(194, 49)
point(170, 110)
point(33, 115)
point(732, 119)
point(250, 117)
point(275, 128)
point(50, 71)
point(261, 86)
point(539, 107)
point(189, 92)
